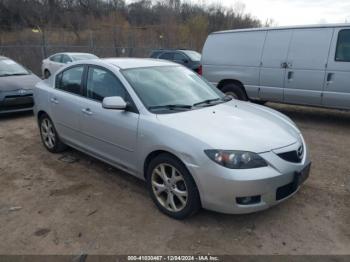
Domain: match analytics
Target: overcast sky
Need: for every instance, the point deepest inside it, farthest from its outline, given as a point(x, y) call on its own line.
point(294, 12)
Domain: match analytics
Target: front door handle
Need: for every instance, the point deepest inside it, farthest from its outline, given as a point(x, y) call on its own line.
point(330, 78)
point(54, 100)
point(87, 111)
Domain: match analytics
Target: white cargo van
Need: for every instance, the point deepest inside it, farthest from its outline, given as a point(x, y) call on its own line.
point(307, 65)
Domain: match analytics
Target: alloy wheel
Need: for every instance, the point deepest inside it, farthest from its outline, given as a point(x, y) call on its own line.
point(48, 133)
point(169, 187)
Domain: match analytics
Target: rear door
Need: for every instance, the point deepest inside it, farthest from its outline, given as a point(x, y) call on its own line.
point(337, 88)
point(307, 59)
point(109, 134)
point(274, 64)
point(65, 99)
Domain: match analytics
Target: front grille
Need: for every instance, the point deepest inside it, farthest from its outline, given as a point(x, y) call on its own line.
point(17, 102)
point(291, 156)
point(285, 191)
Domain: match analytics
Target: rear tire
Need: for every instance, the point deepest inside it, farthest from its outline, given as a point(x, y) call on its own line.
point(49, 135)
point(172, 187)
point(234, 90)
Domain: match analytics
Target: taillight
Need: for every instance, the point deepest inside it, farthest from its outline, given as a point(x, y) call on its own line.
point(200, 70)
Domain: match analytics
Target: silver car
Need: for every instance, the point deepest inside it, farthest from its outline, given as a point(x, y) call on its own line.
point(161, 122)
point(16, 87)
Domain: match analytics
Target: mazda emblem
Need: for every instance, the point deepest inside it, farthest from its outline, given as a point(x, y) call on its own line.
point(300, 152)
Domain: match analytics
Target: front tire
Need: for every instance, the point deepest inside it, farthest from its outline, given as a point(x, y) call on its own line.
point(235, 90)
point(49, 135)
point(172, 187)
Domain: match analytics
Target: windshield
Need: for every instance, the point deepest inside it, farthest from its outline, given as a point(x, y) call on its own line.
point(83, 57)
point(195, 56)
point(9, 67)
point(171, 87)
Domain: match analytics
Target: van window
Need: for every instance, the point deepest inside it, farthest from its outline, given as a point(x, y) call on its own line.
point(343, 46)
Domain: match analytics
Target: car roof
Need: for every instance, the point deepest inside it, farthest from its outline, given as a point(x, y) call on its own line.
point(171, 50)
point(127, 63)
point(283, 28)
point(72, 53)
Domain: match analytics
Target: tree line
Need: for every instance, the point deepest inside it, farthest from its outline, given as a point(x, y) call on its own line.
point(79, 15)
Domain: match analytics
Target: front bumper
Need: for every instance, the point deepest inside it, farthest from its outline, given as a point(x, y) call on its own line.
point(221, 188)
point(14, 101)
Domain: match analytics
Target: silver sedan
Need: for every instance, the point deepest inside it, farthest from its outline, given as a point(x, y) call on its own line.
point(163, 123)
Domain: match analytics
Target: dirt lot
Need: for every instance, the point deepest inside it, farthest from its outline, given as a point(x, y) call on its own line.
point(51, 206)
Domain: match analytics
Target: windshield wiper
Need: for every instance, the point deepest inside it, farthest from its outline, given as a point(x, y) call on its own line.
point(208, 102)
point(170, 107)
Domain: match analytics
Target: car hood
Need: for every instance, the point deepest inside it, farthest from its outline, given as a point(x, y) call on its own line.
point(13, 83)
point(236, 125)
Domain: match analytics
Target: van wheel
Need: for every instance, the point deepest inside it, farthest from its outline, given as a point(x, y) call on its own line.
point(49, 135)
point(172, 187)
point(47, 74)
point(235, 90)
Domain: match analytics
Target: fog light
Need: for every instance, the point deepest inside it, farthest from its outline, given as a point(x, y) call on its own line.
point(248, 200)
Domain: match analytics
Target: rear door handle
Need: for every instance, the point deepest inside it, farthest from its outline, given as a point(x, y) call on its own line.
point(54, 100)
point(87, 111)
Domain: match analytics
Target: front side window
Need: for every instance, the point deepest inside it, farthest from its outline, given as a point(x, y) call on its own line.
point(70, 80)
point(343, 46)
point(170, 85)
point(102, 83)
point(9, 67)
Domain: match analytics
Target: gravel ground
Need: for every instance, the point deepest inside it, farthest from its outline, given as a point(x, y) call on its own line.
point(71, 203)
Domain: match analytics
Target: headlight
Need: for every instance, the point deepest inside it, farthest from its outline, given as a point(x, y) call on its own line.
point(236, 159)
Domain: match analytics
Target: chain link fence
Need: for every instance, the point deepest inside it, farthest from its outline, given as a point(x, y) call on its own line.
point(30, 46)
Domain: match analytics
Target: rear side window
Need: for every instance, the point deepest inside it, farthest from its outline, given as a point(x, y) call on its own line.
point(342, 53)
point(179, 57)
point(102, 83)
point(167, 56)
point(70, 80)
point(56, 58)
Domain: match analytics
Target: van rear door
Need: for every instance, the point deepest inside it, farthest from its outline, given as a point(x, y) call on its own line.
point(337, 89)
point(273, 65)
point(307, 59)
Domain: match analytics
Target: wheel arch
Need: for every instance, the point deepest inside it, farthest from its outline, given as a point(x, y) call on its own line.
point(152, 156)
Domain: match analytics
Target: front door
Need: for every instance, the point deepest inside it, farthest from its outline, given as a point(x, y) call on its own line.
point(109, 134)
point(274, 64)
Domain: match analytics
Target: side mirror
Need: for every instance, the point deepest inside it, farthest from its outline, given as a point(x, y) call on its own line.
point(185, 61)
point(114, 102)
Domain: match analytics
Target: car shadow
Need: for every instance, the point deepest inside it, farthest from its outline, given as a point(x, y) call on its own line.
point(314, 115)
point(15, 115)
